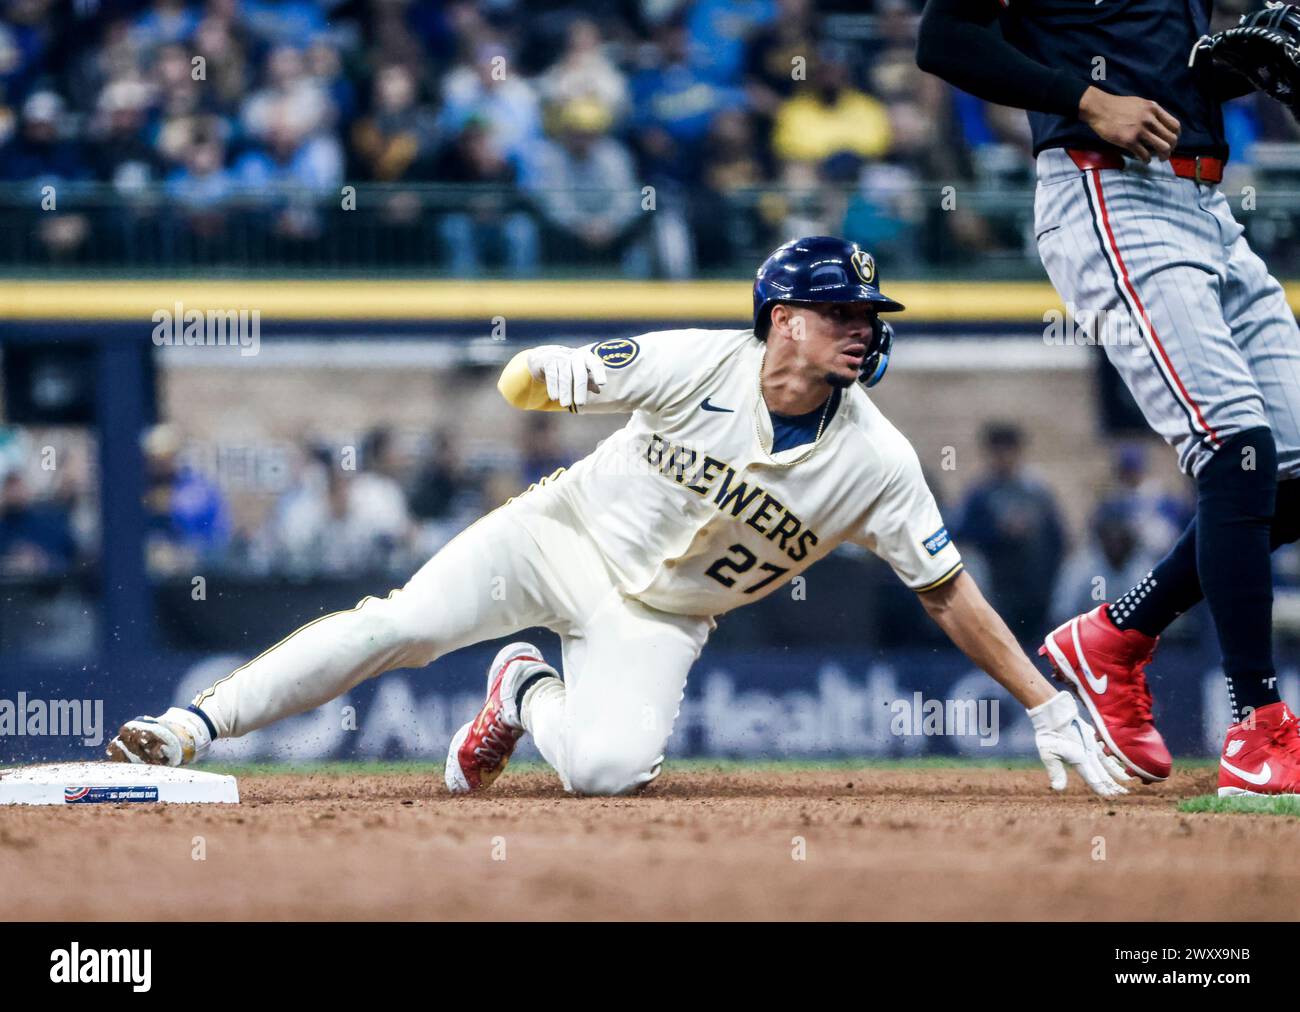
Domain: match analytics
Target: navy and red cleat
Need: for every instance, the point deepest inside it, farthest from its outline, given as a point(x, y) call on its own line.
point(1261, 755)
point(481, 749)
point(1107, 667)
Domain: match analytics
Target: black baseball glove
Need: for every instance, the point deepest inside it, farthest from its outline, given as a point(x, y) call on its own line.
point(1264, 49)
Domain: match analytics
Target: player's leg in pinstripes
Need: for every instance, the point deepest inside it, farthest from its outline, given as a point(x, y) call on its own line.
point(1165, 254)
point(1264, 329)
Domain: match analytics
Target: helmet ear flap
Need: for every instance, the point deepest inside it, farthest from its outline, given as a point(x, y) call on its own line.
point(877, 358)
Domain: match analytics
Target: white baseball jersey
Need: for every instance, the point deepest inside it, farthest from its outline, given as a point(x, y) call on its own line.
point(696, 515)
point(681, 515)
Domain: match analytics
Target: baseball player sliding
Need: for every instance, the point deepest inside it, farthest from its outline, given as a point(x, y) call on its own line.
point(1216, 369)
point(749, 455)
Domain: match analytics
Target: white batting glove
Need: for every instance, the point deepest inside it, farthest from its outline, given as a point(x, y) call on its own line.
point(569, 373)
point(1062, 736)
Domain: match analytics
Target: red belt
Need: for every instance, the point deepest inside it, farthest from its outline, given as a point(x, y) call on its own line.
point(1201, 168)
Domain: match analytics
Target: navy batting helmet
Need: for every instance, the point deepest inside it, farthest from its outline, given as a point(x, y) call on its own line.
point(822, 268)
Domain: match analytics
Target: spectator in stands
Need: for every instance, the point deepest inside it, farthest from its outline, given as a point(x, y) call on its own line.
point(36, 538)
point(830, 116)
point(444, 496)
point(885, 212)
point(1158, 516)
point(189, 521)
point(914, 100)
point(345, 522)
point(290, 170)
point(486, 90)
point(289, 87)
point(492, 223)
point(290, 158)
point(398, 139)
point(584, 71)
point(674, 102)
point(41, 158)
point(14, 449)
point(588, 193)
point(9, 62)
point(200, 188)
point(438, 482)
point(41, 153)
point(779, 57)
point(725, 216)
point(324, 71)
point(1010, 518)
point(377, 490)
point(120, 152)
point(182, 104)
point(719, 31)
point(1111, 560)
point(113, 56)
point(223, 45)
point(884, 215)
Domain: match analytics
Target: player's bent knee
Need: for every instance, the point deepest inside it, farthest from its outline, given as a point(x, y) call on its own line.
point(605, 770)
point(1241, 477)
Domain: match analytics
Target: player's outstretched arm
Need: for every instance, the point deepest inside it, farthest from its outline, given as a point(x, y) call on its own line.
point(1062, 736)
point(551, 378)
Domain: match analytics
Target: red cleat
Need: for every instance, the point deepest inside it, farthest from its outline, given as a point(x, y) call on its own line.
point(1107, 667)
point(1261, 755)
point(481, 749)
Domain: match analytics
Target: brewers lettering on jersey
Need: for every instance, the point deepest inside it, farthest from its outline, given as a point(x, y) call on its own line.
point(747, 456)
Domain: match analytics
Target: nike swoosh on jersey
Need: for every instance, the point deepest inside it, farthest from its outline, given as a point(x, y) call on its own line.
point(1258, 779)
point(713, 407)
point(1098, 685)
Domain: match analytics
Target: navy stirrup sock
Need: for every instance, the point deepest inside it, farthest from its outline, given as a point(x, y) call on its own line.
point(1166, 592)
point(1234, 517)
point(1243, 513)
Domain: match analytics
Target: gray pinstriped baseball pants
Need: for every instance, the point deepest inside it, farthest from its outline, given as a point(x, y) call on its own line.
point(1199, 330)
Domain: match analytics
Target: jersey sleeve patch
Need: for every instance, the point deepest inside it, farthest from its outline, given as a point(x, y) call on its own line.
point(937, 541)
point(618, 352)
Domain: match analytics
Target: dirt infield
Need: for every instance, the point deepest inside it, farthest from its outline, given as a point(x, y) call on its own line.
point(878, 843)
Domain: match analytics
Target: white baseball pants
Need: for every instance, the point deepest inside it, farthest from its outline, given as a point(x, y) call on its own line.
point(527, 563)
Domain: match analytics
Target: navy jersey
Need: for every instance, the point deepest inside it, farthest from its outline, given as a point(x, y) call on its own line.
point(1125, 47)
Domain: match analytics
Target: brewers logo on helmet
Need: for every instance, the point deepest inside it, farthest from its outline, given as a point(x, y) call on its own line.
point(823, 268)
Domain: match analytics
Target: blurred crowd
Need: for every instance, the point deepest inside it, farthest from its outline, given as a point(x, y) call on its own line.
point(381, 504)
point(232, 129)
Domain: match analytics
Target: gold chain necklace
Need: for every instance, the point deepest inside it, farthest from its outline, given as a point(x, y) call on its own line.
point(758, 432)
